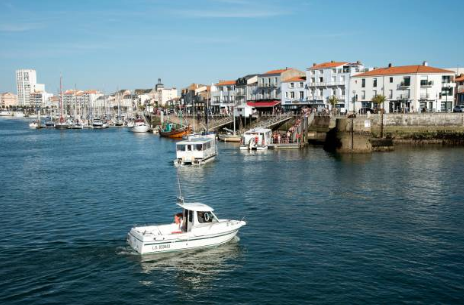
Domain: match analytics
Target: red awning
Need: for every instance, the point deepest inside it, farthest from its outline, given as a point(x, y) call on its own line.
point(264, 104)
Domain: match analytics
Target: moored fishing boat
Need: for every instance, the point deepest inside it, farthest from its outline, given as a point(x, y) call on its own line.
point(195, 227)
point(174, 131)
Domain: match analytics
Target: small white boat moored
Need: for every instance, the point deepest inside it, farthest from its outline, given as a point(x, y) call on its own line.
point(256, 139)
point(196, 227)
point(140, 126)
point(196, 150)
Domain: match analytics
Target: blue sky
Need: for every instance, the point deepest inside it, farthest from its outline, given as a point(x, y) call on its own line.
point(110, 44)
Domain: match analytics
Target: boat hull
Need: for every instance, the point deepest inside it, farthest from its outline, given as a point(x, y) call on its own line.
point(181, 162)
point(140, 129)
point(175, 134)
point(61, 126)
point(180, 244)
point(229, 138)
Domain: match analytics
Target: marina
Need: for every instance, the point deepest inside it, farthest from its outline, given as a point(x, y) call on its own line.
point(336, 218)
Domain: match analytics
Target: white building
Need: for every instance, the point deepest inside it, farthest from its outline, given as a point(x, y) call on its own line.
point(331, 79)
point(223, 96)
point(26, 81)
point(162, 95)
point(246, 90)
point(406, 88)
point(294, 93)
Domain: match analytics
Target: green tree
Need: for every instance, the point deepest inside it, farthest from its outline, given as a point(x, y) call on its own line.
point(333, 100)
point(379, 100)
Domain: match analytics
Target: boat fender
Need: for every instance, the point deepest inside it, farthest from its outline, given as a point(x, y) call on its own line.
point(206, 217)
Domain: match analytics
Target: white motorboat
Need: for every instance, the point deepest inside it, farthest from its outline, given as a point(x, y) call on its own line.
point(196, 227)
point(140, 126)
point(99, 124)
point(256, 139)
point(5, 113)
point(196, 150)
point(19, 114)
point(35, 124)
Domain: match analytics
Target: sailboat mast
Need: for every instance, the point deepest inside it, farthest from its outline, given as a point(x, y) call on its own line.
point(61, 100)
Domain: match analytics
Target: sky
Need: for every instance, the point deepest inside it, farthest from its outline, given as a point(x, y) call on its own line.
point(111, 44)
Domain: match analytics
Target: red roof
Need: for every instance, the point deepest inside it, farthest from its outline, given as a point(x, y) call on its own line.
point(276, 71)
point(327, 65)
point(226, 83)
point(264, 104)
point(403, 70)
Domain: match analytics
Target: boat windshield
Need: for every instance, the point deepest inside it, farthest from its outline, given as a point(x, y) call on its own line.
point(198, 147)
point(206, 217)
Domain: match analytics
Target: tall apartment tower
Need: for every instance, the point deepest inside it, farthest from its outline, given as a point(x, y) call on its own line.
point(26, 81)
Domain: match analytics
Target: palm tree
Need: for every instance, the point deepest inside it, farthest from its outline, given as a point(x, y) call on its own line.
point(379, 100)
point(333, 100)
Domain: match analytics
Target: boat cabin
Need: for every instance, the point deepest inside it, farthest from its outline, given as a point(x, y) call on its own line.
point(196, 215)
point(195, 151)
point(258, 138)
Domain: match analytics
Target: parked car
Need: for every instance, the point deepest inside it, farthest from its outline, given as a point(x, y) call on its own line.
point(458, 108)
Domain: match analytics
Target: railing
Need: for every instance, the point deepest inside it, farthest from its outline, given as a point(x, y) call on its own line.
point(426, 84)
point(326, 84)
point(266, 85)
point(404, 85)
point(424, 96)
point(403, 97)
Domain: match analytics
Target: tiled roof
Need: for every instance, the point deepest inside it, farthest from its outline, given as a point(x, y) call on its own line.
point(328, 65)
point(415, 69)
point(226, 83)
point(278, 71)
point(296, 79)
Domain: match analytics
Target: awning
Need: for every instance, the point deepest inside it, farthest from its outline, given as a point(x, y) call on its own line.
point(265, 104)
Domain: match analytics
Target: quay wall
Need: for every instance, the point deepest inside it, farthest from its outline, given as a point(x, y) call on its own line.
point(421, 128)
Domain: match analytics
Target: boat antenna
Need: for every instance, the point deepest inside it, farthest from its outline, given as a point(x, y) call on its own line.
point(180, 198)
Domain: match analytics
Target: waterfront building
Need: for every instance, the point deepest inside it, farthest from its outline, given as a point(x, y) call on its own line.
point(26, 81)
point(460, 90)
point(331, 79)
point(246, 90)
point(223, 96)
point(188, 99)
point(80, 103)
point(406, 88)
point(269, 94)
point(294, 94)
point(161, 95)
point(8, 99)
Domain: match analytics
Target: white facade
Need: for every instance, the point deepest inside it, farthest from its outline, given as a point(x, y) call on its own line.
point(294, 93)
point(163, 95)
point(418, 88)
point(331, 79)
point(26, 80)
point(246, 89)
point(223, 96)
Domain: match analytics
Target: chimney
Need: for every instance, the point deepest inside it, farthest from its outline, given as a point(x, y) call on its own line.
point(314, 64)
point(359, 62)
point(332, 61)
point(390, 65)
point(425, 63)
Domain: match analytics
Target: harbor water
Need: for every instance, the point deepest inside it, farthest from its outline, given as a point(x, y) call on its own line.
point(321, 228)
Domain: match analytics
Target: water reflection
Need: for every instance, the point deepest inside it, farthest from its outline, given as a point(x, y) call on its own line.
point(194, 269)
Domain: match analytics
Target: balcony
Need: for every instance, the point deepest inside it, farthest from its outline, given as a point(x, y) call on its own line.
point(266, 85)
point(425, 96)
point(402, 97)
point(448, 85)
point(404, 85)
point(426, 84)
point(326, 84)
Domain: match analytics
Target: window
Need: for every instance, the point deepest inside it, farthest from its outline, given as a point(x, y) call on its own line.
point(446, 79)
point(321, 79)
point(363, 94)
point(286, 94)
point(301, 85)
point(301, 95)
point(406, 81)
point(375, 82)
point(363, 83)
point(321, 71)
point(334, 70)
point(313, 80)
point(391, 80)
point(374, 92)
point(390, 94)
point(292, 85)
